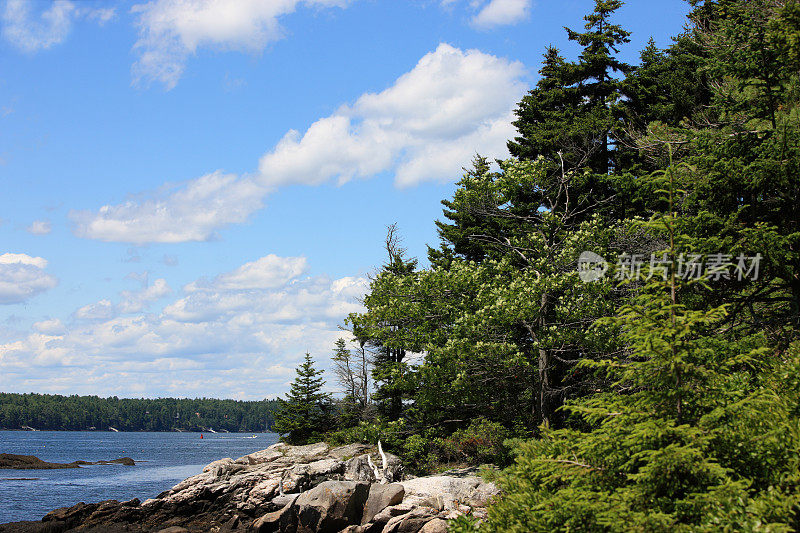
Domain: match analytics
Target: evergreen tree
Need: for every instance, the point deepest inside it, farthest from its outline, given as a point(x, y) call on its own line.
point(668, 86)
point(388, 336)
point(547, 116)
point(748, 60)
point(305, 413)
point(573, 111)
point(461, 236)
point(681, 443)
point(746, 148)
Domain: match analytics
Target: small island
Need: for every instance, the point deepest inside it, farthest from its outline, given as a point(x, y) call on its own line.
point(10, 461)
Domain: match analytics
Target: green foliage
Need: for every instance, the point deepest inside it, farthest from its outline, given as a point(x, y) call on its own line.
point(652, 405)
point(81, 413)
point(306, 412)
point(482, 442)
point(698, 433)
point(572, 112)
point(501, 336)
point(734, 468)
point(387, 332)
point(391, 434)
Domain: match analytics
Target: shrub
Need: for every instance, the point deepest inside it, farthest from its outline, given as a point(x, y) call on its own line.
point(389, 433)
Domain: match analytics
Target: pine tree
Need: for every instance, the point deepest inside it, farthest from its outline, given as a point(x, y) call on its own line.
point(698, 433)
point(574, 109)
point(546, 116)
point(305, 413)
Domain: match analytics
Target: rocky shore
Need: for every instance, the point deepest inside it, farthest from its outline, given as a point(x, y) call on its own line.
point(288, 489)
point(31, 462)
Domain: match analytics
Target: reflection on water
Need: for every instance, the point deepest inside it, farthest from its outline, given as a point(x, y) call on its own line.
point(162, 460)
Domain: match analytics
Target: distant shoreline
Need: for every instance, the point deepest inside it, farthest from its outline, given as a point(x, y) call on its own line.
point(261, 431)
point(53, 412)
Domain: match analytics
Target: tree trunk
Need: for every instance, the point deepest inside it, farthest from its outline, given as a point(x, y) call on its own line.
point(796, 301)
point(544, 385)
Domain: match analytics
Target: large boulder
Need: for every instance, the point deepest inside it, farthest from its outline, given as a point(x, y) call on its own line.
point(411, 522)
point(380, 497)
point(450, 492)
point(281, 520)
point(330, 506)
point(437, 525)
point(380, 520)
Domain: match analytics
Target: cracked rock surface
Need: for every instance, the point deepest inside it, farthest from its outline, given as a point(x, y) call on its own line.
point(287, 489)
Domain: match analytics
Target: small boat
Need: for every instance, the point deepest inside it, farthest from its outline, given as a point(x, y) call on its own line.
point(115, 430)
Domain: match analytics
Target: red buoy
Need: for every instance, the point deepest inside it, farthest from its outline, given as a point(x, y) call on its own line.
point(201, 435)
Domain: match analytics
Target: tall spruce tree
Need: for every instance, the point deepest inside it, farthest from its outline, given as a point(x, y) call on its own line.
point(574, 110)
point(547, 116)
point(305, 414)
point(746, 147)
point(460, 232)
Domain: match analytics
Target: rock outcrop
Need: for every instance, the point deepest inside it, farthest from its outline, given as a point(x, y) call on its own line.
point(30, 462)
point(289, 489)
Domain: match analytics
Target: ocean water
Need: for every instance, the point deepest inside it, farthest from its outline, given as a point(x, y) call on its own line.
point(162, 460)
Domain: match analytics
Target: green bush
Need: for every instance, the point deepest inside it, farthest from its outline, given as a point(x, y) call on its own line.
point(389, 433)
point(482, 442)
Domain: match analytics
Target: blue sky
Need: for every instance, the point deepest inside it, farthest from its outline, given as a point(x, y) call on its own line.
point(194, 191)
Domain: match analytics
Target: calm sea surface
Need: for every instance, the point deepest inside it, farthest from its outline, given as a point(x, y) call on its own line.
point(162, 460)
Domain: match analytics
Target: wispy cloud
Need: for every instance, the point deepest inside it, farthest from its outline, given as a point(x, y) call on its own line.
point(424, 127)
point(136, 301)
point(192, 211)
point(40, 227)
point(22, 277)
point(33, 32)
point(172, 30)
point(501, 13)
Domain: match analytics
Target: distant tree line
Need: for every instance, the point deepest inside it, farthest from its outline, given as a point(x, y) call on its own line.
point(54, 412)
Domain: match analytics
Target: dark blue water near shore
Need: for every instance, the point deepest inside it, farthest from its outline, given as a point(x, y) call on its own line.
point(162, 460)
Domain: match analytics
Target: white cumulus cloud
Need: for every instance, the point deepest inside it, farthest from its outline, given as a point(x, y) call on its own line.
point(136, 301)
point(172, 30)
point(425, 127)
point(239, 336)
point(52, 326)
point(101, 310)
point(129, 301)
point(34, 32)
point(268, 272)
point(22, 277)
